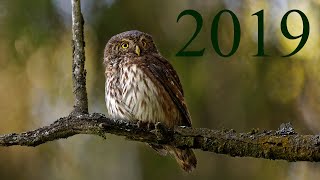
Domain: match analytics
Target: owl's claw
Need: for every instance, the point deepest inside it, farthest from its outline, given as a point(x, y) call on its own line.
point(146, 125)
point(150, 126)
point(141, 124)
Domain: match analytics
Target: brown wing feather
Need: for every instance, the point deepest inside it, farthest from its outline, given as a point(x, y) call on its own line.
point(164, 73)
point(173, 74)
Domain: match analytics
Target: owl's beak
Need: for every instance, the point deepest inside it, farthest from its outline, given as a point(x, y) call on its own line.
point(137, 51)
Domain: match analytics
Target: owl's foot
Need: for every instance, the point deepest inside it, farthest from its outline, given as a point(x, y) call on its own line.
point(146, 125)
point(161, 131)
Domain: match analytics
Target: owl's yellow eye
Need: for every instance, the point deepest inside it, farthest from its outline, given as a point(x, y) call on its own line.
point(125, 45)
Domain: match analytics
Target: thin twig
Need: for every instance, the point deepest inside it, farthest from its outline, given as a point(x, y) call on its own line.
point(78, 65)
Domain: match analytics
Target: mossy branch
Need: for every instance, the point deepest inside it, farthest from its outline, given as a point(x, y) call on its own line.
point(283, 144)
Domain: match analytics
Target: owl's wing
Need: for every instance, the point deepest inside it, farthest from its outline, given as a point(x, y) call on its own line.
point(164, 73)
point(171, 71)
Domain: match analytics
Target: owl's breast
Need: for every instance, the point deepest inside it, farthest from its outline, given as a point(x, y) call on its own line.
point(139, 97)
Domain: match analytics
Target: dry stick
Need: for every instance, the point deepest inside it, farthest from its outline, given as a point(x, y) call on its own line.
point(282, 144)
point(78, 70)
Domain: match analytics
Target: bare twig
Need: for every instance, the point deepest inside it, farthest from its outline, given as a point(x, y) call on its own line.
point(78, 70)
point(284, 144)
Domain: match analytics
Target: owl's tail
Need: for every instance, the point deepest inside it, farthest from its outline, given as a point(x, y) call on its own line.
point(185, 158)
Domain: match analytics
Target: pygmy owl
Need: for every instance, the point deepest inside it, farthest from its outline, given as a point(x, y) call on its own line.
point(141, 85)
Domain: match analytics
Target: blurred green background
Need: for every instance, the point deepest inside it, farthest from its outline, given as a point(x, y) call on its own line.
point(240, 92)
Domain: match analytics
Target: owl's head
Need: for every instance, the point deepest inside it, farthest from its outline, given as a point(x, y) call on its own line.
point(129, 44)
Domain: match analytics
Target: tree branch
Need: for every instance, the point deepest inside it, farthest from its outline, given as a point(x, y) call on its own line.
point(78, 70)
point(283, 144)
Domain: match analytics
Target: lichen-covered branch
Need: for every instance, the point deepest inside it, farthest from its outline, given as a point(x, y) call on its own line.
point(283, 144)
point(78, 69)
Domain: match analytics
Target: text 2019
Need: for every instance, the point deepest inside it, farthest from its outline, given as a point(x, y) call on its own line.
point(237, 32)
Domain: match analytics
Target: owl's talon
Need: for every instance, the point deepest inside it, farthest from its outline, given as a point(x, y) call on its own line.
point(160, 127)
point(142, 124)
point(146, 125)
point(150, 126)
point(159, 130)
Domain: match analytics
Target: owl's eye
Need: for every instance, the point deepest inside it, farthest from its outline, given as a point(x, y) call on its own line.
point(144, 44)
point(124, 45)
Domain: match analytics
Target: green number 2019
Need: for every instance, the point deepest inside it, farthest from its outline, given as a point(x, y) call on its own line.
point(237, 32)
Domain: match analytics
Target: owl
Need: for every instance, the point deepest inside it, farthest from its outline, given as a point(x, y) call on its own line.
point(141, 85)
